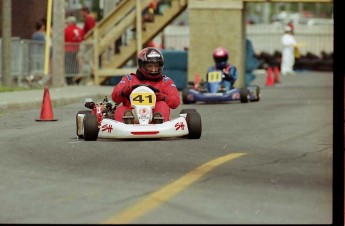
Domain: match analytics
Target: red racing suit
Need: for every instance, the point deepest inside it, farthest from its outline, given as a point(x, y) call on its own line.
point(165, 85)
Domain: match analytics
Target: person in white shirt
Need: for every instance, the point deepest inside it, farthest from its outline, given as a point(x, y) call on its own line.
point(288, 57)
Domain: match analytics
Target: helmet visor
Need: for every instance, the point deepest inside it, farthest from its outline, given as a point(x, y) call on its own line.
point(220, 59)
point(152, 67)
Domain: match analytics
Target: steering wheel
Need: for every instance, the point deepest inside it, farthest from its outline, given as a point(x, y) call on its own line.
point(148, 86)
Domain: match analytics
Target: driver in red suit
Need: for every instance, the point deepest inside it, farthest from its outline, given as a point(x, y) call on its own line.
point(149, 72)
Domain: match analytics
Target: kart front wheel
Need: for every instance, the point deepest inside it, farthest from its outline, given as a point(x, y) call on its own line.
point(194, 125)
point(185, 99)
point(244, 95)
point(84, 112)
point(90, 127)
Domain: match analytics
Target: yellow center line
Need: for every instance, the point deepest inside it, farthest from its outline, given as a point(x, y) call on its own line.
point(157, 198)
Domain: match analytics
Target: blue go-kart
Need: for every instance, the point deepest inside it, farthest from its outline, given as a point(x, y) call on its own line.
point(216, 92)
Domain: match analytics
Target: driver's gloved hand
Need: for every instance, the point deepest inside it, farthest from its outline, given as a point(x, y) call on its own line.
point(90, 105)
point(160, 97)
point(225, 74)
point(227, 77)
point(105, 110)
point(126, 91)
point(108, 105)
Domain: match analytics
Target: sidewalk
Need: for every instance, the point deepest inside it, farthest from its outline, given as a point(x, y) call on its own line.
point(32, 99)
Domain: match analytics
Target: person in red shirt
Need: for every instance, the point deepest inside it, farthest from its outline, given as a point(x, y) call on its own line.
point(89, 21)
point(73, 37)
point(149, 72)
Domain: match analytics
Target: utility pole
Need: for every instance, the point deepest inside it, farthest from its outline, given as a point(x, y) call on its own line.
point(58, 40)
point(6, 77)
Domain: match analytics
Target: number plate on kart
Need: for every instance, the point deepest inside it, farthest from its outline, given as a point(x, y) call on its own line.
point(214, 76)
point(146, 98)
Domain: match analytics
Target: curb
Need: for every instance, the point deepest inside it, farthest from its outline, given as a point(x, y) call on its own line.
point(28, 105)
point(27, 100)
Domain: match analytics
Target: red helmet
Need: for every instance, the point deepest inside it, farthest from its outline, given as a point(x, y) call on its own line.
point(150, 55)
point(220, 57)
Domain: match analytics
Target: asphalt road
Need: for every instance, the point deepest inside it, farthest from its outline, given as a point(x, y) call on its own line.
point(266, 162)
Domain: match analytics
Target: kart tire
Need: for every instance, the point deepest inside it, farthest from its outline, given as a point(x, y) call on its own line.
point(257, 93)
point(194, 125)
point(244, 95)
point(185, 97)
point(190, 84)
point(183, 111)
point(85, 112)
point(90, 127)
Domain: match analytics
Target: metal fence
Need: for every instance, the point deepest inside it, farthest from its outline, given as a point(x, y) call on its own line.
point(265, 38)
point(27, 59)
point(313, 39)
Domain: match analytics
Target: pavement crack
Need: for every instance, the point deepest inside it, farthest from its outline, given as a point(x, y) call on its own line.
point(302, 155)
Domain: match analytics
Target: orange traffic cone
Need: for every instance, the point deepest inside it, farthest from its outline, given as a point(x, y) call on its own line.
point(269, 79)
point(276, 73)
point(46, 108)
point(196, 81)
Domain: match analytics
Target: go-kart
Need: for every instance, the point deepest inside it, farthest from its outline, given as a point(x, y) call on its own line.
point(197, 92)
point(99, 122)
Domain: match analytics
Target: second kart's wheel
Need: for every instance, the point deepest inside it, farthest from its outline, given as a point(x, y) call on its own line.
point(184, 111)
point(258, 93)
point(90, 127)
point(257, 90)
point(185, 97)
point(190, 84)
point(84, 112)
point(194, 125)
point(244, 95)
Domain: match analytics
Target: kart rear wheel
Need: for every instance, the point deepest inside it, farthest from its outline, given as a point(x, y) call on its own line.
point(194, 125)
point(90, 127)
point(244, 95)
point(185, 97)
point(85, 112)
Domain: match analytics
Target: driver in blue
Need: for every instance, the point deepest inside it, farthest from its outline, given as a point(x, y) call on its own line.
point(229, 72)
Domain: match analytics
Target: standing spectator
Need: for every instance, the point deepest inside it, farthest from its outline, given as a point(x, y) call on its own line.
point(252, 62)
point(147, 15)
point(40, 31)
point(89, 21)
point(37, 47)
point(288, 56)
point(149, 11)
point(73, 37)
